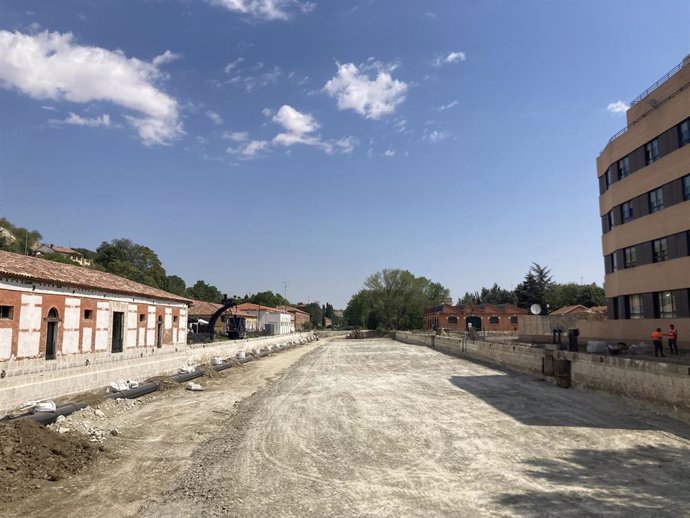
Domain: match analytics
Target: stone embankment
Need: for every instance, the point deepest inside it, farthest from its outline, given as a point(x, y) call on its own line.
point(661, 387)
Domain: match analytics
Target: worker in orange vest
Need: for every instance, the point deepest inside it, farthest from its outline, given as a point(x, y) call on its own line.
point(673, 339)
point(657, 338)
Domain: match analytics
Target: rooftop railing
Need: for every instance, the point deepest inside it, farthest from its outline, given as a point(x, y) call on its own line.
point(662, 80)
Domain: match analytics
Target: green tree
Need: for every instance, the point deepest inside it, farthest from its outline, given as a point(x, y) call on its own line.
point(533, 289)
point(17, 239)
point(571, 294)
point(315, 313)
point(175, 284)
point(57, 258)
point(497, 295)
point(395, 299)
point(206, 292)
point(131, 260)
point(268, 298)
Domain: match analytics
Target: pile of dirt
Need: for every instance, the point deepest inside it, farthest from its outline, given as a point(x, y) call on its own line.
point(30, 453)
point(96, 423)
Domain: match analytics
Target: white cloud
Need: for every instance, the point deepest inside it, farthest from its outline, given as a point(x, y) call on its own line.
point(389, 152)
point(619, 107)
point(294, 121)
point(300, 128)
point(254, 147)
point(265, 9)
point(435, 135)
point(76, 120)
point(215, 117)
point(448, 106)
point(166, 57)
point(51, 66)
point(232, 65)
point(372, 98)
point(267, 112)
point(236, 136)
point(453, 57)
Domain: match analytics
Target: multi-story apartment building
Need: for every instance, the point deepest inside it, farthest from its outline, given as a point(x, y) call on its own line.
point(644, 203)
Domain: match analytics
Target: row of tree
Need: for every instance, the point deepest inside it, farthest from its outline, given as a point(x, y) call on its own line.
point(394, 299)
point(538, 287)
point(141, 264)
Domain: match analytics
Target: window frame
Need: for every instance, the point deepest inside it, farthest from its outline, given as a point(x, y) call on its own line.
point(638, 306)
point(455, 321)
point(88, 314)
point(686, 187)
point(630, 257)
point(656, 200)
point(623, 167)
point(651, 151)
point(660, 253)
point(663, 298)
point(6, 312)
point(684, 140)
point(626, 207)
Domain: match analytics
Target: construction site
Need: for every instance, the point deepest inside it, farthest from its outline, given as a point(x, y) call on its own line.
point(343, 427)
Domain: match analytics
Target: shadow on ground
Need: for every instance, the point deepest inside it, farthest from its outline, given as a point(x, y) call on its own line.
point(638, 481)
point(534, 402)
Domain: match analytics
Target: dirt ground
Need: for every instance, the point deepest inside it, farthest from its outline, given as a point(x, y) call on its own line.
point(154, 441)
point(378, 428)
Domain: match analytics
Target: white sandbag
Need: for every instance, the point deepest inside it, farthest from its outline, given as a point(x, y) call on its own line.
point(217, 360)
point(44, 406)
point(194, 386)
point(241, 355)
point(186, 369)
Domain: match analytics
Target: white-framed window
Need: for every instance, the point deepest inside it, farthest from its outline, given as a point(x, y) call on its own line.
point(666, 304)
point(635, 307)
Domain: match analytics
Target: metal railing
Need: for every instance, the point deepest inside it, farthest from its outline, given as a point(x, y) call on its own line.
point(662, 80)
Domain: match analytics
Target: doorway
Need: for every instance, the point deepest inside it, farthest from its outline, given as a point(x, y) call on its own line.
point(475, 321)
point(118, 331)
point(159, 333)
point(51, 334)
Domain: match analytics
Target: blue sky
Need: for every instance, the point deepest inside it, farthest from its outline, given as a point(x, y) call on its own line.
point(253, 143)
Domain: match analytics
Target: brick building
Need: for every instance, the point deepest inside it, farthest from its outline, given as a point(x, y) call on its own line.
point(50, 310)
point(490, 317)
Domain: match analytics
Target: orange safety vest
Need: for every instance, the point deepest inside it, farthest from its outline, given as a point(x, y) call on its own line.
point(673, 335)
point(657, 336)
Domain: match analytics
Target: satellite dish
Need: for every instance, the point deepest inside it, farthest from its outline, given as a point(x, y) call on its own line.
point(535, 309)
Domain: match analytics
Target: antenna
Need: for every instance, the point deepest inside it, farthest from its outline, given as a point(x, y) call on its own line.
point(535, 309)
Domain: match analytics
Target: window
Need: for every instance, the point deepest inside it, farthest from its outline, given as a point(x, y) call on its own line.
point(686, 188)
point(88, 314)
point(614, 262)
point(666, 304)
point(493, 320)
point(634, 306)
point(659, 250)
point(142, 317)
point(626, 212)
point(684, 132)
point(607, 177)
point(452, 319)
point(623, 167)
point(175, 318)
point(513, 319)
point(610, 219)
point(656, 200)
point(630, 254)
point(6, 311)
point(651, 151)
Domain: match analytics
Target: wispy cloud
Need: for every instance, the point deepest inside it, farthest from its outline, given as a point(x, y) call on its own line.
point(215, 117)
point(49, 65)
point(435, 135)
point(236, 136)
point(447, 106)
point(266, 9)
point(453, 57)
point(166, 57)
point(389, 152)
point(76, 120)
point(619, 107)
point(373, 97)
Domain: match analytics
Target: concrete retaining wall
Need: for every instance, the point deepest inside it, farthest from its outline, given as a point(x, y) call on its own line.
point(662, 387)
point(57, 379)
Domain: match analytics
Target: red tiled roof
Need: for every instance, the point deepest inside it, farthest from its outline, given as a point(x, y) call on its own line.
point(61, 249)
point(42, 270)
point(201, 307)
point(290, 309)
point(567, 310)
point(249, 306)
